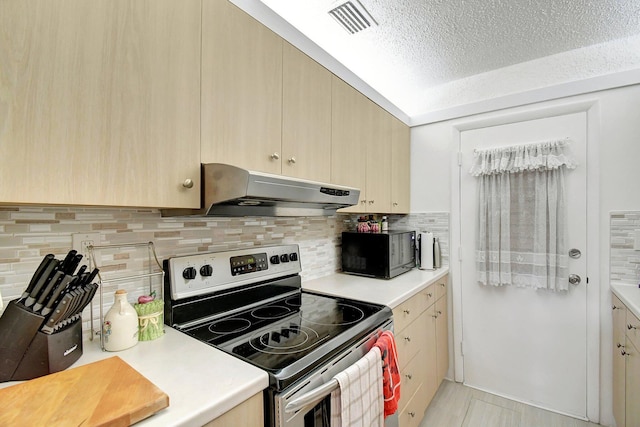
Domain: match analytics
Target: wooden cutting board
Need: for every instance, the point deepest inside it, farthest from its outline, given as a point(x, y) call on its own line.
point(104, 393)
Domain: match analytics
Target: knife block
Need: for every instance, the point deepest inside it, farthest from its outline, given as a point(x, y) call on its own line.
point(26, 352)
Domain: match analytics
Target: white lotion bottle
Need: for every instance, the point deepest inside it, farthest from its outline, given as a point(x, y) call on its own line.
point(120, 328)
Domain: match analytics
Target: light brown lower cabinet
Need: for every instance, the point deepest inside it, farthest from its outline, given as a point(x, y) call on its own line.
point(420, 325)
point(249, 413)
point(626, 365)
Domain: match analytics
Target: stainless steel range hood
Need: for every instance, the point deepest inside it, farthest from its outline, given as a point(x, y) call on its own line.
point(232, 191)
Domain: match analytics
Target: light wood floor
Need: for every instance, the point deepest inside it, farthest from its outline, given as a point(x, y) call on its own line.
point(456, 405)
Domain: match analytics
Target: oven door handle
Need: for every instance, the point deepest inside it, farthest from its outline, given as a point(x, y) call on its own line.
point(311, 397)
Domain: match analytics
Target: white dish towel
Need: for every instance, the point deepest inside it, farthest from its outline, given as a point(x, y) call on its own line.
point(359, 402)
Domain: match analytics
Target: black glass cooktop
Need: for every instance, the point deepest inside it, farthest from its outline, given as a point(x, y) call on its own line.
point(275, 335)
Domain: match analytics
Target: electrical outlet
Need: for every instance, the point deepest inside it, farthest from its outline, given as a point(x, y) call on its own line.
point(81, 241)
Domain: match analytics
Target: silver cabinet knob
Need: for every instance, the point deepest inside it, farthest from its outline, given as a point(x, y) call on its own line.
point(574, 279)
point(406, 311)
point(188, 183)
point(409, 376)
point(407, 339)
point(395, 204)
point(371, 202)
point(275, 156)
point(363, 201)
point(412, 414)
point(630, 326)
point(292, 160)
point(619, 345)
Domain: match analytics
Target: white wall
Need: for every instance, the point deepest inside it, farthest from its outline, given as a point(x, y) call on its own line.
point(616, 172)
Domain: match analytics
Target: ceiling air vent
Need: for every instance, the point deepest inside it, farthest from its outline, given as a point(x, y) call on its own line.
point(353, 17)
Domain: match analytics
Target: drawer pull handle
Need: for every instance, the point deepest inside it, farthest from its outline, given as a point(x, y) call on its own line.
point(630, 326)
point(407, 339)
point(409, 376)
point(619, 345)
point(429, 295)
point(615, 307)
point(412, 414)
point(406, 311)
point(624, 353)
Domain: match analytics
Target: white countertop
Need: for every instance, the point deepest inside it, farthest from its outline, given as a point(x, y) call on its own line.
point(630, 295)
point(380, 291)
point(202, 383)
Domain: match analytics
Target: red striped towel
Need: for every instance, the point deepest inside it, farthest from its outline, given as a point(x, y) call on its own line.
point(390, 373)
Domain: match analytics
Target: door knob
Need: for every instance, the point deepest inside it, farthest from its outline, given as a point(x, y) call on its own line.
point(574, 279)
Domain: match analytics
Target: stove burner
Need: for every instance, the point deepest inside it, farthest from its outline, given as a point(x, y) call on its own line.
point(270, 312)
point(296, 300)
point(229, 326)
point(288, 341)
point(345, 314)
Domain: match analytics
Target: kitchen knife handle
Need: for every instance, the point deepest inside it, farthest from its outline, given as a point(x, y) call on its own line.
point(55, 295)
point(54, 281)
point(68, 259)
point(43, 265)
point(41, 282)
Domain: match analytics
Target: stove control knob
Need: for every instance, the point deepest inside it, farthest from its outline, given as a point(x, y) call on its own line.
point(189, 273)
point(284, 258)
point(293, 256)
point(274, 259)
point(206, 270)
point(275, 336)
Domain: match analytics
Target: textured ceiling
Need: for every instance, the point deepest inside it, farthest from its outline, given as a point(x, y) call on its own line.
point(419, 44)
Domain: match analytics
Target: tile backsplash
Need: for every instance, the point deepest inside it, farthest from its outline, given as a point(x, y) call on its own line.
point(28, 233)
point(625, 261)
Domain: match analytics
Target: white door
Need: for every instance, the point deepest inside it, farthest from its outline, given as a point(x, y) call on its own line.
point(525, 344)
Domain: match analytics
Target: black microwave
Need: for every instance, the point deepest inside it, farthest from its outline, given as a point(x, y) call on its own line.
point(384, 255)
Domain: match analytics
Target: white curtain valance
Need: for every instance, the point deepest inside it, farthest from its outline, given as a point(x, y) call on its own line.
point(546, 155)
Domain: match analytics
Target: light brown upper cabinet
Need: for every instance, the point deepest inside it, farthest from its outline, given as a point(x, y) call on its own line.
point(99, 102)
point(370, 151)
point(266, 106)
point(306, 117)
point(350, 133)
point(400, 167)
point(241, 89)
point(378, 152)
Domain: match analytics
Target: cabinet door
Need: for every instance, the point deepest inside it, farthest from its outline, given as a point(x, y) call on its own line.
point(306, 117)
point(349, 136)
point(632, 386)
point(249, 413)
point(619, 316)
point(100, 102)
point(378, 152)
point(442, 340)
point(400, 167)
point(241, 89)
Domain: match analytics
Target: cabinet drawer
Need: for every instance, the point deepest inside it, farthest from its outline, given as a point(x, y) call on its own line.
point(633, 328)
point(413, 338)
point(441, 287)
point(411, 414)
point(407, 312)
point(411, 377)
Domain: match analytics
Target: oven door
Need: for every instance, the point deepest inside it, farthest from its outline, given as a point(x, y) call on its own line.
point(307, 403)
